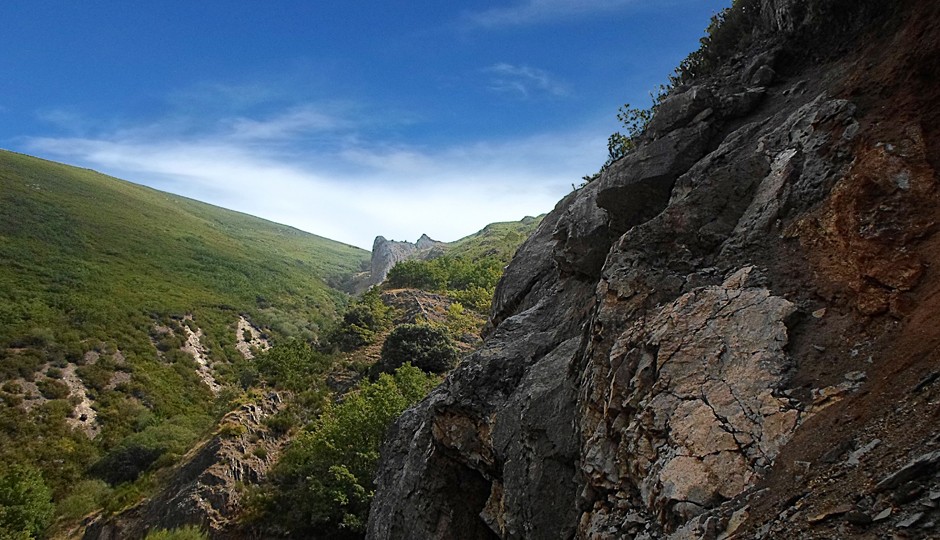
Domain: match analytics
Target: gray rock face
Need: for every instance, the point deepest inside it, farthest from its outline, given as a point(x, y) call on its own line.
point(693, 397)
point(640, 376)
point(387, 253)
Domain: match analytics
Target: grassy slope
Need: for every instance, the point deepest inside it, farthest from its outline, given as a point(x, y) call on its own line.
point(498, 240)
point(90, 262)
point(89, 252)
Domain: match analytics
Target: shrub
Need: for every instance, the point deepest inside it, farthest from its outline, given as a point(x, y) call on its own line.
point(26, 507)
point(282, 422)
point(188, 532)
point(728, 31)
point(291, 365)
point(86, 497)
point(425, 347)
point(323, 483)
point(126, 463)
point(361, 322)
point(471, 282)
point(53, 389)
point(459, 321)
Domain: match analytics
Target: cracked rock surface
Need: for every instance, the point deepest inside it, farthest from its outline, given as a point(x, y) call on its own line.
point(732, 332)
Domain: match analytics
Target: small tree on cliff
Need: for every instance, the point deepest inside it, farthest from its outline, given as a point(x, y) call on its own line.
point(426, 347)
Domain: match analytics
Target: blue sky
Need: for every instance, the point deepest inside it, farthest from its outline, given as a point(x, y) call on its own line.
point(346, 119)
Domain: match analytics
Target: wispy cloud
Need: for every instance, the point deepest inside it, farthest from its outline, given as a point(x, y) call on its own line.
point(63, 119)
point(526, 12)
point(523, 81)
point(348, 190)
point(290, 123)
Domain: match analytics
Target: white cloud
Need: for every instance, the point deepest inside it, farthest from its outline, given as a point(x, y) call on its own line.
point(296, 121)
point(523, 80)
point(63, 119)
point(354, 192)
point(538, 11)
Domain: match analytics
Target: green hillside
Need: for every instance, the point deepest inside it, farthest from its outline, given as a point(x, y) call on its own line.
point(102, 256)
point(498, 240)
point(127, 316)
point(466, 270)
point(101, 283)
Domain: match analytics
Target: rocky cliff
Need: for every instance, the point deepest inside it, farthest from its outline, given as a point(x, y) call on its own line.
point(732, 331)
point(387, 253)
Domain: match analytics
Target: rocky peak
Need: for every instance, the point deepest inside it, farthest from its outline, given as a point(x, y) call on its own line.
point(387, 253)
point(425, 242)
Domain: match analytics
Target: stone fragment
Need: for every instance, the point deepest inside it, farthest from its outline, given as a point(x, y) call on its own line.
point(927, 381)
point(883, 515)
point(763, 76)
point(909, 521)
point(678, 109)
point(907, 492)
point(856, 376)
point(855, 456)
point(915, 468)
point(829, 513)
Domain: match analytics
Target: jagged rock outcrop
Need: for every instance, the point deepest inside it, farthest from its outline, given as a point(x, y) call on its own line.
point(387, 253)
point(731, 331)
point(204, 489)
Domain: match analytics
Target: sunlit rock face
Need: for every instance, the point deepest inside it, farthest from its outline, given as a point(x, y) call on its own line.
point(730, 331)
point(387, 253)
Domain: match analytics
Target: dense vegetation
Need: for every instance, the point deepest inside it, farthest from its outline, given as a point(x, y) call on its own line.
point(428, 348)
point(323, 484)
point(729, 30)
point(103, 285)
point(188, 532)
point(361, 324)
point(470, 267)
point(100, 281)
point(469, 282)
point(25, 503)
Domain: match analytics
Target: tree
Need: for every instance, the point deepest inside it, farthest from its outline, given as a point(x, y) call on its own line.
point(426, 347)
point(323, 484)
point(26, 507)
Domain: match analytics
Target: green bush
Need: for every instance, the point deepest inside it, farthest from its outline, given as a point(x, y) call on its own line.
point(323, 483)
point(425, 347)
point(291, 365)
point(729, 31)
point(459, 322)
point(159, 443)
point(86, 497)
point(53, 389)
point(361, 322)
point(125, 464)
point(26, 507)
point(188, 532)
point(470, 282)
